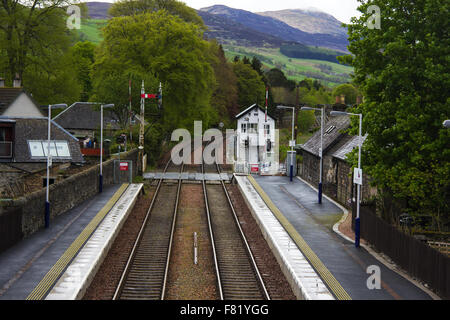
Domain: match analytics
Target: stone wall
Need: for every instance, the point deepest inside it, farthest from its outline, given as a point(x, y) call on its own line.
point(63, 195)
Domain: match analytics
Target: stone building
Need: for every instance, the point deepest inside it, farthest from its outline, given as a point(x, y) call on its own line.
point(333, 138)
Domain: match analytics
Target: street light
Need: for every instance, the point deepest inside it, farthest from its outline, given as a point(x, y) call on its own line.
point(292, 142)
point(47, 201)
point(321, 148)
point(100, 187)
point(357, 222)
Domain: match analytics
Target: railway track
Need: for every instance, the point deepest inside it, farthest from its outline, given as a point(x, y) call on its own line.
point(145, 274)
point(236, 270)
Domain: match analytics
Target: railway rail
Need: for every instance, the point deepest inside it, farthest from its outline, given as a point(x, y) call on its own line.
point(145, 274)
point(238, 276)
point(146, 271)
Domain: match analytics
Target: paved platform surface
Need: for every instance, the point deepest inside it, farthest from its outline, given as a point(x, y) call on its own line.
point(297, 201)
point(24, 265)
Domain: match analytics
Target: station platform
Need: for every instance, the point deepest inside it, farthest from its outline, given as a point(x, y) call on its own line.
point(341, 266)
point(59, 262)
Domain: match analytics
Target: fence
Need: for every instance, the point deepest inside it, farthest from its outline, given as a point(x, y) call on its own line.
point(417, 258)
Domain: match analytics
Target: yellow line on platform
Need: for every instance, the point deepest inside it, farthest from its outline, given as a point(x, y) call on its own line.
point(331, 282)
point(49, 280)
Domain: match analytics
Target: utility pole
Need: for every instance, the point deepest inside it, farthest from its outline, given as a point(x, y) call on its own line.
point(130, 113)
point(141, 131)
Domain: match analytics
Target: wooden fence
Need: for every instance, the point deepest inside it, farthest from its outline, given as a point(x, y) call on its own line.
point(417, 258)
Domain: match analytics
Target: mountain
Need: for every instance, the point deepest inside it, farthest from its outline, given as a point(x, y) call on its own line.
point(311, 21)
point(276, 28)
point(98, 10)
point(228, 31)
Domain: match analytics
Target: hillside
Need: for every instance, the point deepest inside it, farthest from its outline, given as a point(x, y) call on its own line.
point(309, 21)
point(98, 10)
point(277, 28)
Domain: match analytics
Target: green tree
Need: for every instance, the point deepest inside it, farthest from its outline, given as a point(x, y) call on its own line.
point(403, 71)
point(225, 95)
point(83, 54)
point(29, 32)
point(348, 90)
point(162, 48)
point(250, 84)
point(174, 7)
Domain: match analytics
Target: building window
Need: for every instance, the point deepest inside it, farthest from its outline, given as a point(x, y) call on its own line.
point(252, 128)
point(6, 142)
point(267, 129)
point(243, 127)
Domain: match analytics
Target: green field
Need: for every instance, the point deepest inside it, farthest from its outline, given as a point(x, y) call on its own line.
point(91, 30)
point(329, 73)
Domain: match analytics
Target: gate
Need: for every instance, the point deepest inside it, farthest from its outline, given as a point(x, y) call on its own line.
point(123, 171)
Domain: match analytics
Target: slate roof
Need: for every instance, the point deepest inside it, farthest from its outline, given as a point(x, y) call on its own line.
point(332, 132)
point(85, 117)
point(37, 129)
point(342, 152)
point(9, 95)
point(249, 109)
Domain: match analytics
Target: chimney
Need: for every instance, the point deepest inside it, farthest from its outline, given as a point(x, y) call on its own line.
point(342, 99)
point(2, 82)
point(17, 82)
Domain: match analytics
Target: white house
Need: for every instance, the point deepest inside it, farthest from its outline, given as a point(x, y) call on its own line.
point(256, 142)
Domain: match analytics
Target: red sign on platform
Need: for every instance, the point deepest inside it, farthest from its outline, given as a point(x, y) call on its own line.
point(123, 166)
point(255, 168)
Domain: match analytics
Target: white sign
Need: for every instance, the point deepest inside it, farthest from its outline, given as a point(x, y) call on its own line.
point(291, 143)
point(357, 176)
point(50, 161)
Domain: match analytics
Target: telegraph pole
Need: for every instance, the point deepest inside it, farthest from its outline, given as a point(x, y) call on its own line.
point(141, 131)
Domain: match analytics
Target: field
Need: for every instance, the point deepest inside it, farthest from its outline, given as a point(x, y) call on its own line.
point(91, 30)
point(329, 73)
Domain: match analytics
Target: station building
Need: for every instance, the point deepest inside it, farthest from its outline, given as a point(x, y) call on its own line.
point(256, 142)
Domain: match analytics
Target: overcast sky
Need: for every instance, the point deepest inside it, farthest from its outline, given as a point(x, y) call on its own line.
point(342, 10)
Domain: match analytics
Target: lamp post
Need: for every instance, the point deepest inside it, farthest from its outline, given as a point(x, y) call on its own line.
point(321, 148)
point(100, 187)
point(47, 201)
point(291, 171)
point(357, 221)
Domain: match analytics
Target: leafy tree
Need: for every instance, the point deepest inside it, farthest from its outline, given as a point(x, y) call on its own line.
point(402, 70)
point(29, 33)
point(83, 54)
point(174, 7)
point(225, 95)
point(348, 90)
point(158, 47)
point(251, 86)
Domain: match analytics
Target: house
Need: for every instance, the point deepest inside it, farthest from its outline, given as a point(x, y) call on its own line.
point(256, 142)
point(334, 138)
point(16, 102)
point(346, 190)
point(82, 120)
point(23, 148)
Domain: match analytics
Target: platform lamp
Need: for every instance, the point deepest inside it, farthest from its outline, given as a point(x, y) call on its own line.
point(47, 201)
point(100, 186)
point(291, 171)
point(321, 148)
point(357, 222)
